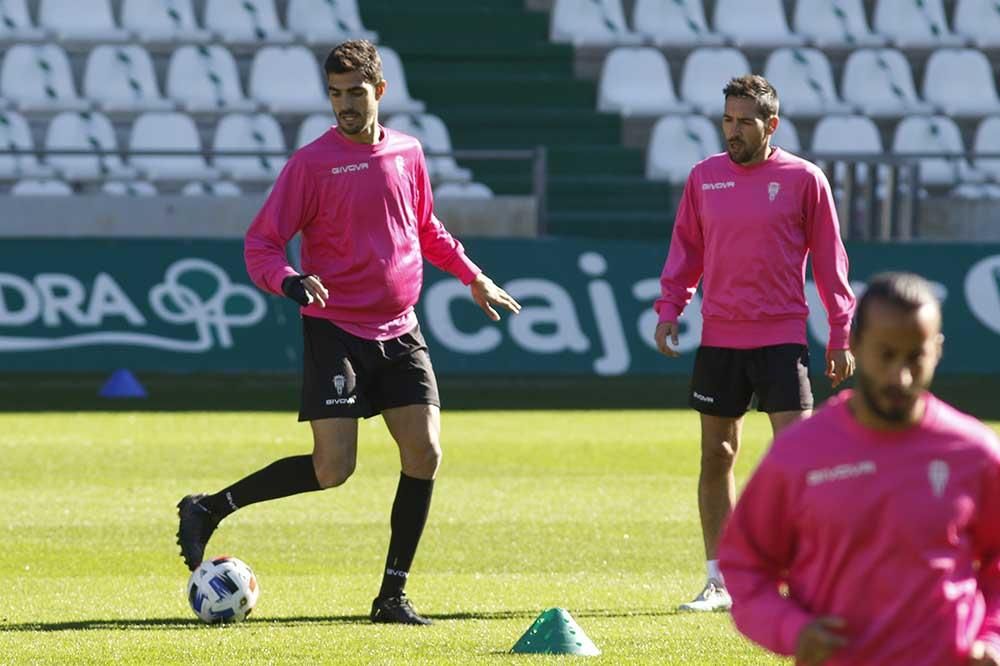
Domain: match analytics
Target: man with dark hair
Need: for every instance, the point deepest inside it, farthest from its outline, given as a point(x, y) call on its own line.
point(870, 533)
point(747, 221)
point(361, 199)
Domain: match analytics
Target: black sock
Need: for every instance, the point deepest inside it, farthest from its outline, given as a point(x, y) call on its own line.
point(288, 476)
point(409, 515)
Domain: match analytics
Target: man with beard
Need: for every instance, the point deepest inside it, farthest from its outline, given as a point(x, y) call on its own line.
point(747, 222)
point(870, 533)
point(361, 198)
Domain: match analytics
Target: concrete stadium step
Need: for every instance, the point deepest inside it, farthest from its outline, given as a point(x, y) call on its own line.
point(469, 23)
point(517, 92)
point(501, 127)
point(635, 225)
point(603, 193)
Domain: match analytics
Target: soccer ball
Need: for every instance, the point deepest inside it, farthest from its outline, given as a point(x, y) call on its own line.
point(223, 590)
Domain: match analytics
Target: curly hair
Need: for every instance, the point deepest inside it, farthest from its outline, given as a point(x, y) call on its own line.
point(356, 55)
point(757, 88)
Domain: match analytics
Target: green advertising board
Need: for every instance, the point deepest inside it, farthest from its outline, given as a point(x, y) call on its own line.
point(188, 306)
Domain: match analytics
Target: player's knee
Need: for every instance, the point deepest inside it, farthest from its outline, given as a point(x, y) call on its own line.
point(423, 461)
point(330, 474)
point(718, 456)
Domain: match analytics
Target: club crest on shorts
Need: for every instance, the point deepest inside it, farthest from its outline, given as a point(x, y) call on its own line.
point(772, 190)
point(338, 384)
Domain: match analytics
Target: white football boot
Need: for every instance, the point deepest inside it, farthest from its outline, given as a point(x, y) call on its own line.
point(713, 599)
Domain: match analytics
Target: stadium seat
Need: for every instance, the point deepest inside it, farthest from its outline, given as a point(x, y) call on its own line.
point(246, 22)
point(327, 21)
point(287, 79)
point(41, 188)
point(758, 24)
point(590, 23)
point(980, 21)
point(397, 94)
point(679, 23)
point(121, 78)
point(935, 134)
point(835, 23)
point(72, 20)
point(987, 140)
point(855, 135)
point(914, 23)
point(805, 81)
point(635, 81)
point(16, 134)
point(677, 144)
point(880, 83)
point(433, 135)
point(16, 25)
point(205, 78)
point(976, 191)
point(787, 136)
point(219, 188)
point(960, 83)
point(313, 127)
point(462, 191)
point(706, 73)
point(38, 78)
point(158, 130)
point(71, 130)
point(135, 188)
point(238, 131)
point(159, 21)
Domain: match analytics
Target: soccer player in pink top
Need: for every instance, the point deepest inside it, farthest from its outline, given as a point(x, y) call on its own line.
point(361, 199)
point(870, 534)
point(746, 223)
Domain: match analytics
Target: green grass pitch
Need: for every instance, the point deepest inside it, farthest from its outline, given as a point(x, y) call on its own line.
point(592, 511)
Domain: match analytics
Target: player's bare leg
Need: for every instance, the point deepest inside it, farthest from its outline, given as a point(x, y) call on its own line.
point(335, 450)
point(720, 443)
point(781, 420)
point(417, 431)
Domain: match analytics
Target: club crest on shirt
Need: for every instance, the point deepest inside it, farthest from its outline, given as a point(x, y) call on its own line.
point(401, 166)
point(937, 474)
point(772, 190)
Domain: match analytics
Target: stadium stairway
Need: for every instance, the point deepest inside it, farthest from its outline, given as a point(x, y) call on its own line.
point(489, 71)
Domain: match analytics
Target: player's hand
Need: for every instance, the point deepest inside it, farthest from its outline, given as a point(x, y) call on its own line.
point(304, 289)
point(666, 329)
point(486, 294)
point(819, 639)
point(984, 654)
point(839, 365)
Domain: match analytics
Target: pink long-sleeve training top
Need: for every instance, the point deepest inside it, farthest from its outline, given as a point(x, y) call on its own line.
point(366, 215)
point(897, 532)
point(749, 230)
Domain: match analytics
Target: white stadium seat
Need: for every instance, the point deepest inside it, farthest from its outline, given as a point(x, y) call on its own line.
point(787, 136)
point(327, 21)
point(433, 135)
point(677, 144)
point(914, 23)
point(987, 140)
point(238, 131)
point(219, 188)
point(134, 188)
point(757, 24)
point(960, 83)
point(16, 25)
point(880, 83)
point(674, 23)
point(158, 130)
point(16, 134)
point(245, 22)
point(980, 21)
point(804, 80)
point(462, 191)
point(840, 24)
point(73, 20)
point(41, 188)
point(590, 22)
point(313, 127)
point(706, 73)
point(92, 131)
point(38, 78)
point(287, 79)
point(163, 21)
point(121, 78)
point(397, 94)
point(855, 135)
point(635, 81)
point(205, 78)
point(935, 134)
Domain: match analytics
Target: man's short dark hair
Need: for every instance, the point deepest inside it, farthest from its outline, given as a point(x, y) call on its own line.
point(907, 291)
point(757, 88)
point(356, 55)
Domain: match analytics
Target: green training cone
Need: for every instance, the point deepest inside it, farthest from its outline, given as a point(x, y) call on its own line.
point(555, 632)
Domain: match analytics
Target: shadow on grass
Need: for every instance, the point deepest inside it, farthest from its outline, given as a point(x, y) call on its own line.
point(173, 623)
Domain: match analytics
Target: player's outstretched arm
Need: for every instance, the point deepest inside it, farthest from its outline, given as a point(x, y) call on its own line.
point(486, 294)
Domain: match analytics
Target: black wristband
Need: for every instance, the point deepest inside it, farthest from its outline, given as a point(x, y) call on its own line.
point(293, 288)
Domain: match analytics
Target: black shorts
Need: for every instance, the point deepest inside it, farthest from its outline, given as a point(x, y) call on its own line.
point(725, 381)
point(347, 376)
